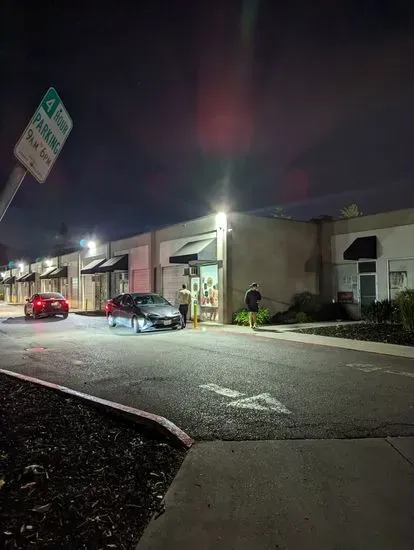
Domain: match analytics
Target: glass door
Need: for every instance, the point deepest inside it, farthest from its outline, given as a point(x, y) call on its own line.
point(367, 288)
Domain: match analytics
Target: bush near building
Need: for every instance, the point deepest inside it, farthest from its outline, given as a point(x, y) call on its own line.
point(307, 307)
point(241, 317)
point(386, 321)
point(398, 312)
point(405, 303)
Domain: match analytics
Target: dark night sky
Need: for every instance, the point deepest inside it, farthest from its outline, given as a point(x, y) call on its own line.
point(182, 106)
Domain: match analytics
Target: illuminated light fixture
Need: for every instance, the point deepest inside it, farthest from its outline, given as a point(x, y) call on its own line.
point(2, 275)
point(221, 220)
point(91, 245)
point(49, 263)
point(21, 266)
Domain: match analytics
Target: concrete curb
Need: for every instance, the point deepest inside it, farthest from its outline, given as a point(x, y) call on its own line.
point(159, 423)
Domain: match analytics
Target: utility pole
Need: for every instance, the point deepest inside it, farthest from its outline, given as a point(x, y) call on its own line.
point(12, 186)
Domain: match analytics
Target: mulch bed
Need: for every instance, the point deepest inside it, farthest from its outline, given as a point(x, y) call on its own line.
point(74, 477)
point(388, 334)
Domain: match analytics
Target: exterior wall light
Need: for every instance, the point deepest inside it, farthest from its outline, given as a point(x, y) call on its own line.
point(21, 266)
point(221, 220)
point(49, 263)
point(92, 245)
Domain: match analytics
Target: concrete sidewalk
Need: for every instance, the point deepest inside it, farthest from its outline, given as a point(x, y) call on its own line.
point(10, 310)
point(291, 495)
point(283, 333)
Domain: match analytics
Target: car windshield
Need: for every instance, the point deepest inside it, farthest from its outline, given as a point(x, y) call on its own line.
point(150, 300)
point(51, 296)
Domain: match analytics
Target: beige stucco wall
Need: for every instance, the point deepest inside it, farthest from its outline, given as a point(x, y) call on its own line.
point(186, 229)
point(395, 235)
point(377, 221)
point(168, 240)
point(281, 255)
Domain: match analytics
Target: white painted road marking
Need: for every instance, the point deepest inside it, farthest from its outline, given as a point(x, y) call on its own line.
point(272, 404)
point(364, 367)
point(233, 394)
point(401, 373)
point(261, 402)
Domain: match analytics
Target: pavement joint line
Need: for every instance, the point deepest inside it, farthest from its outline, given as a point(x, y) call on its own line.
point(159, 422)
point(389, 441)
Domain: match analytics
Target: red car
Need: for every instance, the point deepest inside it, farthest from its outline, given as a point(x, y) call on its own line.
point(47, 304)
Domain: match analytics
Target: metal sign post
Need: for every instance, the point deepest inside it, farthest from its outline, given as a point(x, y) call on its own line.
point(12, 186)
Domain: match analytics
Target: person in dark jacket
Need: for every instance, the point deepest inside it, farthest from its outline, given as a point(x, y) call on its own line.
point(252, 300)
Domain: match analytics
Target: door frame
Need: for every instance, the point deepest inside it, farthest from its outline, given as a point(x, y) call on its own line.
point(359, 285)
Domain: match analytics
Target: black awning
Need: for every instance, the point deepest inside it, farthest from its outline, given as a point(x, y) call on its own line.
point(117, 263)
point(59, 273)
point(21, 278)
point(46, 274)
point(194, 251)
point(92, 267)
point(9, 281)
point(363, 248)
point(29, 278)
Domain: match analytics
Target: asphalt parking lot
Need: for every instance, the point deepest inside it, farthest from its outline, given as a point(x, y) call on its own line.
point(216, 385)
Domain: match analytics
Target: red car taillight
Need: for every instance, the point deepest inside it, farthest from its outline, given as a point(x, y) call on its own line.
point(66, 302)
point(38, 303)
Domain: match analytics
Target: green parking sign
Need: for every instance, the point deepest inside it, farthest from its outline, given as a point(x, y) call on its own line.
point(43, 139)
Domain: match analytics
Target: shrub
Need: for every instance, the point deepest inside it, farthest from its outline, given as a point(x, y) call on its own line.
point(380, 312)
point(302, 317)
point(405, 304)
point(306, 302)
point(241, 317)
point(331, 311)
point(284, 318)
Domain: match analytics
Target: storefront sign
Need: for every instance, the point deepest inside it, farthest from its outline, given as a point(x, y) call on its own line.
point(346, 297)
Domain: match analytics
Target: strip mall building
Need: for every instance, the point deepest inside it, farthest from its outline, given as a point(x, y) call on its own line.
point(353, 261)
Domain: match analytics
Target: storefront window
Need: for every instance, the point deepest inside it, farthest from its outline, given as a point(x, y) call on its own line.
point(209, 292)
point(345, 283)
point(121, 283)
point(401, 276)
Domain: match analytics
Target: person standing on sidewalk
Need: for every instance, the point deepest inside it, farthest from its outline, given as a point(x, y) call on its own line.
point(184, 298)
point(252, 300)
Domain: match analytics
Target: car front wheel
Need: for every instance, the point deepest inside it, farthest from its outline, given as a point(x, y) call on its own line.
point(111, 321)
